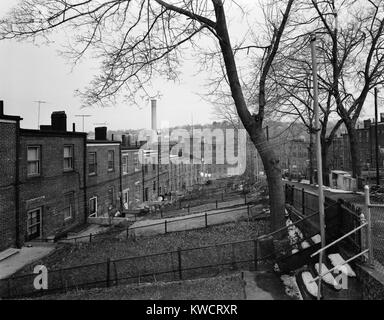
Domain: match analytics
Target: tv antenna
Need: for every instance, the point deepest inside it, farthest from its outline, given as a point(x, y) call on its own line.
point(39, 103)
point(83, 116)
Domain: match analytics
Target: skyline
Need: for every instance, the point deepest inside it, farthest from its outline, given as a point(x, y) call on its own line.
point(40, 73)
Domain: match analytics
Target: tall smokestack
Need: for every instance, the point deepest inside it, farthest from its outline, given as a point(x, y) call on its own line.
point(153, 114)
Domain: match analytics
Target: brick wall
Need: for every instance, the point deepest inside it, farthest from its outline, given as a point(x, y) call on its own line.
point(100, 184)
point(132, 179)
point(7, 183)
point(48, 190)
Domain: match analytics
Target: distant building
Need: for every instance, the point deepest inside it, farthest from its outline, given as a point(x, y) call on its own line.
point(132, 175)
point(294, 156)
point(103, 175)
point(339, 154)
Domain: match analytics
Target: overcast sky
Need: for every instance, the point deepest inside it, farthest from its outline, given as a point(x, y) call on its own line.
point(30, 73)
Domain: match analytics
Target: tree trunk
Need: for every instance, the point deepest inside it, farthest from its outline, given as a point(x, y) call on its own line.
point(272, 169)
point(253, 124)
point(324, 156)
point(354, 150)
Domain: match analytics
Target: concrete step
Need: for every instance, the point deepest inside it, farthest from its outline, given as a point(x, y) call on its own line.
point(8, 253)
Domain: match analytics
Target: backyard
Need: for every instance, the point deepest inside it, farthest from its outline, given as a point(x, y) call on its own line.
point(226, 287)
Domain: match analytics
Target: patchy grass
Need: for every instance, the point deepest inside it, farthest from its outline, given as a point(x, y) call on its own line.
point(205, 253)
point(99, 251)
point(226, 287)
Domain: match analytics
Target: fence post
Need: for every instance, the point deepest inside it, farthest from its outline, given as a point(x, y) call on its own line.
point(108, 271)
point(127, 233)
point(165, 226)
point(303, 201)
point(206, 219)
point(90, 237)
point(161, 212)
point(255, 253)
point(179, 263)
point(9, 287)
point(369, 226)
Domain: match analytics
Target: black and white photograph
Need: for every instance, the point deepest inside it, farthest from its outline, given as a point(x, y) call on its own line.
point(195, 156)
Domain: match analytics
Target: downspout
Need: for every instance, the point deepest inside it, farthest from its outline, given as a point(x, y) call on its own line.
point(121, 177)
point(17, 186)
point(85, 158)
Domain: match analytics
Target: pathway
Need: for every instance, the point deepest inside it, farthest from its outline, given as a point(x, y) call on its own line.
point(190, 222)
point(26, 255)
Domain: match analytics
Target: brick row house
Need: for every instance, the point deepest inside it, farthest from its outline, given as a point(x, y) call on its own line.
point(53, 179)
point(103, 176)
point(43, 193)
point(9, 213)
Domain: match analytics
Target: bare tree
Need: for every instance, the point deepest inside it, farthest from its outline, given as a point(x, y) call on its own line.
point(137, 40)
point(294, 81)
point(352, 46)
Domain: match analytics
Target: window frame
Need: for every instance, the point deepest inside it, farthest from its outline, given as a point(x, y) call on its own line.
point(125, 158)
point(111, 169)
point(71, 146)
point(93, 214)
point(38, 223)
point(39, 153)
point(94, 173)
point(71, 197)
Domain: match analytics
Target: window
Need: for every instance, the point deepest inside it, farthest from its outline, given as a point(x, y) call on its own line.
point(92, 163)
point(33, 224)
point(111, 160)
point(68, 158)
point(93, 207)
point(136, 160)
point(111, 197)
point(126, 199)
point(33, 159)
point(125, 164)
point(69, 200)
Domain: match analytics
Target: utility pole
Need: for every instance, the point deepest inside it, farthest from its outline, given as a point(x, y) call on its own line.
point(83, 116)
point(318, 157)
point(377, 142)
point(39, 103)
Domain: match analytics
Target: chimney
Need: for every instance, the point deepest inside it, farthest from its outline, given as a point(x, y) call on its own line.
point(1, 107)
point(129, 139)
point(381, 117)
point(101, 133)
point(124, 140)
point(153, 114)
point(367, 123)
point(113, 137)
point(59, 121)
point(74, 127)
point(45, 128)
